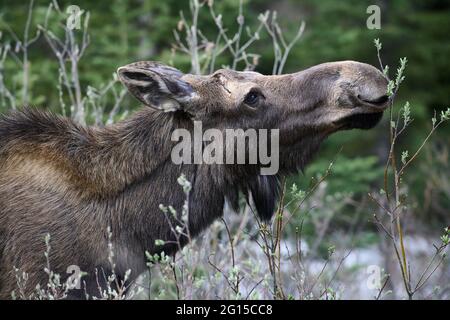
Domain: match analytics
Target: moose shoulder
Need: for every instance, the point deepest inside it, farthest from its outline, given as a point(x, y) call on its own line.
point(73, 182)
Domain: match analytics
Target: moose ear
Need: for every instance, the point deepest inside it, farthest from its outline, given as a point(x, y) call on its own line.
point(156, 85)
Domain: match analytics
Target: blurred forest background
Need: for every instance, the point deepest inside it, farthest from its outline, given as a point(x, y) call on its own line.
point(123, 31)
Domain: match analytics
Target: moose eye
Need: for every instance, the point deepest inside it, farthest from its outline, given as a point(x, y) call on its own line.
point(252, 98)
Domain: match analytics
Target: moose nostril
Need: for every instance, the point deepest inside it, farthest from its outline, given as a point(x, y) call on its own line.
point(378, 101)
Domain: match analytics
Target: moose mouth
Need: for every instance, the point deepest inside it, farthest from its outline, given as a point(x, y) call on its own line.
point(360, 121)
point(365, 119)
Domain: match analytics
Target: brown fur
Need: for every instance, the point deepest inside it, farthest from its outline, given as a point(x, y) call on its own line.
point(73, 182)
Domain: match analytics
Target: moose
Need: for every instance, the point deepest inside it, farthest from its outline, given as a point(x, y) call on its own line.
point(73, 182)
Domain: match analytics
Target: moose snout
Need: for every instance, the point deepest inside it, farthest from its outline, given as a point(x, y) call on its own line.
point(370, 87)
point(372, 91)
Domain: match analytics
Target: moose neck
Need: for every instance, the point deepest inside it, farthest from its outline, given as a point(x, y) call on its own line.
point(125, 153)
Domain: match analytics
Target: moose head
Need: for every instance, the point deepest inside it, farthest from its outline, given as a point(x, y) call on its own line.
point(305, 107)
